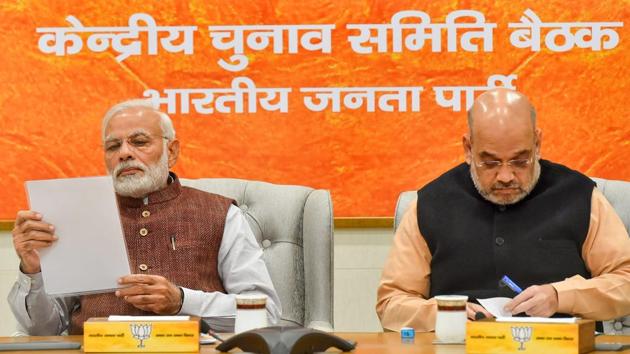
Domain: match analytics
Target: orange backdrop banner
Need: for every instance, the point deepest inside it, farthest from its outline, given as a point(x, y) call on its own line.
point(366, 98)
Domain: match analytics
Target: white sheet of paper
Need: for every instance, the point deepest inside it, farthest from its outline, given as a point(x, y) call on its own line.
point(537, 319)
point(90, 254)
point(118, 318)
point(495, 305)
point(206, 339)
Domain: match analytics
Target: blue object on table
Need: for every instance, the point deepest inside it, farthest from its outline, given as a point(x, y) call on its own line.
point(407, 332)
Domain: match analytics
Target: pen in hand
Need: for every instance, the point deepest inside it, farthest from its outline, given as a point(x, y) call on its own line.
point(510, 284)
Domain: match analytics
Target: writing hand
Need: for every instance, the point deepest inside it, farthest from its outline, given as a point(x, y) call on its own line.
point(537, 300)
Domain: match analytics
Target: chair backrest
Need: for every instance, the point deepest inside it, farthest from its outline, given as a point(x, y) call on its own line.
point(294, 226)
point(618, 194)
point(404, 199)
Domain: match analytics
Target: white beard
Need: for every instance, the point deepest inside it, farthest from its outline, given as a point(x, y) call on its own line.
point(153, 179)
point(525, 190)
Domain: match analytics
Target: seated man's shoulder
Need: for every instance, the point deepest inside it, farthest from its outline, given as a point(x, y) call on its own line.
point(204, 196)
point(552, 169)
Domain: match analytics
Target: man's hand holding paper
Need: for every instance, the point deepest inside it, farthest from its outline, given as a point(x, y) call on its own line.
point(30, 234)
point(473, 309)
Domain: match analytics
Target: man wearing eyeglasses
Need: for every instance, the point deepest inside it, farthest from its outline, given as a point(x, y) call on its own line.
point(192, 250)
point(507, 212)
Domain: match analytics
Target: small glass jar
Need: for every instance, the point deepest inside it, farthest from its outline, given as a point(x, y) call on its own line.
point(450, 321)
point(251, 312)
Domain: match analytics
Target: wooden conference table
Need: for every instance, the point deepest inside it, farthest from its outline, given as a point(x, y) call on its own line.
point(368, 343)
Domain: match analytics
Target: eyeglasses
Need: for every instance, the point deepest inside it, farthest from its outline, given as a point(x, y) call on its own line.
point(138, 141)
point(493, 165)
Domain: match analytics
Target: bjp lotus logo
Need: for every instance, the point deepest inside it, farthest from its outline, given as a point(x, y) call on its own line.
point(140, 332)
point(521, 335)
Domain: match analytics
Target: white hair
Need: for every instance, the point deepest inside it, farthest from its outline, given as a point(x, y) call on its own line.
point(165, 121)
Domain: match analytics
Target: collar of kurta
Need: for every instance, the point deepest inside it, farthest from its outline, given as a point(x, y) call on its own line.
point(172, 190)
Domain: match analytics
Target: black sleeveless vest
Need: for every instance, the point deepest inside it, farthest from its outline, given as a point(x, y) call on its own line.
point(474, 242)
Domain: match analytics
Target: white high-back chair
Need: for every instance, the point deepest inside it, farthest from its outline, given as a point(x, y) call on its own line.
point(294, 226)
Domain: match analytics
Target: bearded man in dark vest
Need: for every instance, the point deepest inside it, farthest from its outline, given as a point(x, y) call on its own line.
point(508, 212)
point(215, 256)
